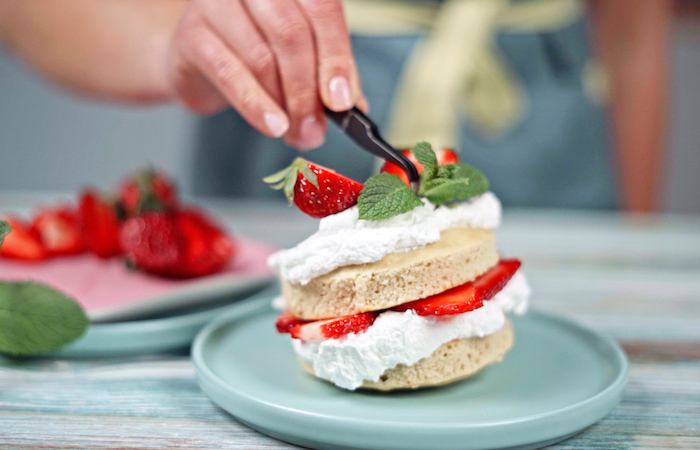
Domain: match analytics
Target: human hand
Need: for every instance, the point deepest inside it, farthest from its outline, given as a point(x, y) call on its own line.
point(277, 62)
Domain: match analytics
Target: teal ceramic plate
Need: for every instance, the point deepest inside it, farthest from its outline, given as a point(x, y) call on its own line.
point(558, 379)
point(156, 334)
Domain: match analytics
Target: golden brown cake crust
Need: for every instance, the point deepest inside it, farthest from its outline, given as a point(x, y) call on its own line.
point(451, 362)
point(461, 255)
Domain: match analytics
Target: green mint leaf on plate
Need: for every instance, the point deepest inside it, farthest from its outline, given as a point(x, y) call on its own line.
point(36, 319)
point(426, 156)
point(385, 196)
point(454, 182)
point(5, 229)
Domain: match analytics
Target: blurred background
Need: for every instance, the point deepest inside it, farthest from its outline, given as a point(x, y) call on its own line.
point(52, 140)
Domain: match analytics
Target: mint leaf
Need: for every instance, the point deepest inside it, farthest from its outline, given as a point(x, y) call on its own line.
point(5, 229)
point(477, 180)
point(454, 182)
point(426, 156)
point(36, 319)
point(385, 196)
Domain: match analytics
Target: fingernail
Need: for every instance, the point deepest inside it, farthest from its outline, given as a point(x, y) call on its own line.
point(341, 97)
point(311, 133)
point(277, 124)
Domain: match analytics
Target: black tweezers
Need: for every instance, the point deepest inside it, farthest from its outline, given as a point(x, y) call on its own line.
point(365, 133)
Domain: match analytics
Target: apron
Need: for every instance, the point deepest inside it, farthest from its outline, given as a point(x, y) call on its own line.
point(526, 106)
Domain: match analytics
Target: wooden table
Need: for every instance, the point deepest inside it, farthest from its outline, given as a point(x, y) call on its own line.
point(635, 278)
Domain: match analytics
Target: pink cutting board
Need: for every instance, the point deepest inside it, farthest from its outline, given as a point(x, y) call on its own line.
point(107, 290)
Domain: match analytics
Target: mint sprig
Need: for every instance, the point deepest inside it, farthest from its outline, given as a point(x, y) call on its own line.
point(36, 319)
point(385, 196)
point(286, 178)
point(426, 156)
point(454, 182)
point(5, 229)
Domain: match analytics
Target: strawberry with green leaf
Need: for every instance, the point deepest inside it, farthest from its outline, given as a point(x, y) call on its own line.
point(316, 190)
point(147, 190)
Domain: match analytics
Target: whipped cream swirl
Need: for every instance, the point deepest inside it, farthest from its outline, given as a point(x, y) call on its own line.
point(344, 239)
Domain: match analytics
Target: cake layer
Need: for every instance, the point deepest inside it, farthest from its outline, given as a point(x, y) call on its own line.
point(451, 362)
point(461, 255)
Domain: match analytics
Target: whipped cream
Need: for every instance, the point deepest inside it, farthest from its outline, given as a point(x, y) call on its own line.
point(344, 239)
point(405, 338)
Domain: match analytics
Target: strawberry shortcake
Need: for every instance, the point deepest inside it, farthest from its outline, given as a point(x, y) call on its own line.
point(397, 289)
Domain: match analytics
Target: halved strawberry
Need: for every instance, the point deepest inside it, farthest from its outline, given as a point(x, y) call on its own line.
point(316, 190)
point(22, 242)
point(321, 330)
point(491, 282)
point(147, 190)
point(99, 224)
point(467, 297)
point(457, 300)
point(59, 231)
point(286, 321)
point(444, 157)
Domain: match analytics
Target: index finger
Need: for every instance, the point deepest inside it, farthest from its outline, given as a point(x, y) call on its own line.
point(338, 79)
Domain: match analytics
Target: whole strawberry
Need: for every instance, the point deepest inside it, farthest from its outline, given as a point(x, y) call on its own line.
point(147, 190)
point(180, 244)
point(316, 190)
point(151, 242)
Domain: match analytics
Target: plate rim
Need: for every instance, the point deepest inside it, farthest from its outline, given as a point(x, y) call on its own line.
point(147, 327)
point(206, 375)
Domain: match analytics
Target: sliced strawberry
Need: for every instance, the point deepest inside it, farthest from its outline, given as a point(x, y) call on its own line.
point(321, 330)
point(457, 300)
point(286, 321)
point(467, 297)
point(490, 283)
point(178, 244)
point(444, 157)
point(146, 191)
point(59, 231)
point(317, 191)
point(98, 224)
point(22, 242)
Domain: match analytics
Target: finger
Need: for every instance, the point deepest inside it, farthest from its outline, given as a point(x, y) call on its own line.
point(192, 89)
point(338, 78)
point(231, 77)
point(246, 41)
point(289, 36)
